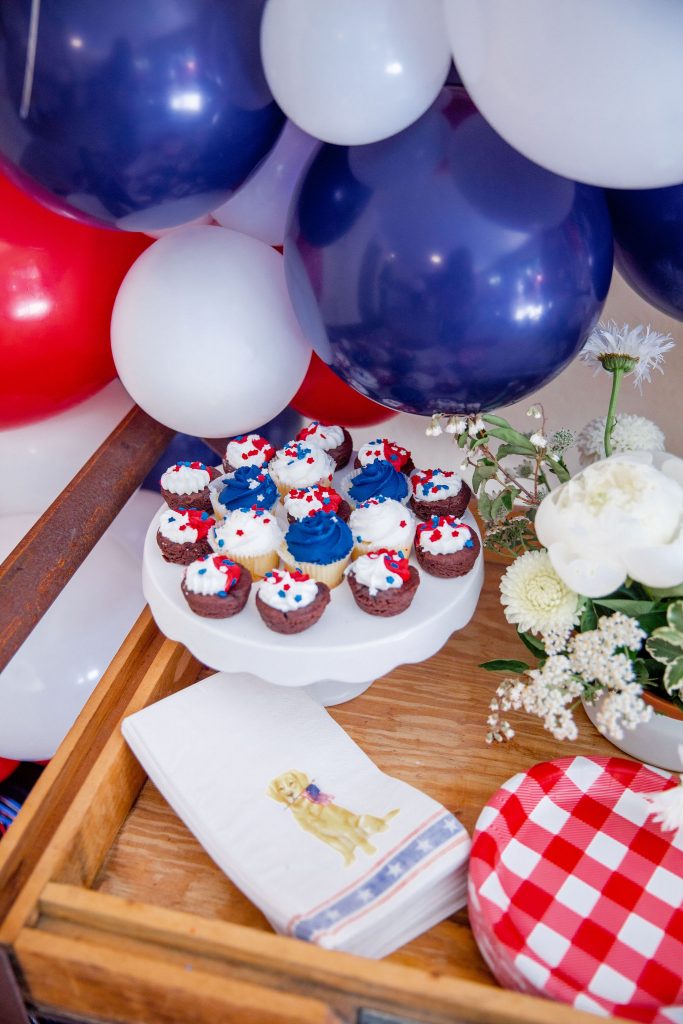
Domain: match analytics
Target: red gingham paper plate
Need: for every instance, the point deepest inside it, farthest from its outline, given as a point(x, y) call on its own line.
point(576, 895)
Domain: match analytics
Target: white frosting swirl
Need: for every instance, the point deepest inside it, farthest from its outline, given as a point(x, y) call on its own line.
point(326, 437)
point(280, 590)
point(304, 501)
point(181, 479)
point(246, 532)
point(371, 571)
point(301, 464)
point(434, 484)
point(206, 576)
point(383, 523)
point(244, 452)
point(175, 526)
point(381, 448)
point(449, 536)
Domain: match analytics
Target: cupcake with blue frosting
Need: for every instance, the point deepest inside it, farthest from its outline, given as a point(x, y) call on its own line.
point(250, 487)
point(377, 479)
point(319, 546)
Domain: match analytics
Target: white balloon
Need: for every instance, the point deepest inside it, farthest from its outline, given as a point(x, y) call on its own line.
point(260, 207)
point(39, 460)
point(354, 71)
point(203, 333)
point(51, 676)
point(590, 89)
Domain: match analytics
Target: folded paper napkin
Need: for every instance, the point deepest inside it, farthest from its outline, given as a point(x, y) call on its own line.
point(331, 849)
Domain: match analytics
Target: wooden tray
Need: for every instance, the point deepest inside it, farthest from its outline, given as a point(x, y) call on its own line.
point(110, 908)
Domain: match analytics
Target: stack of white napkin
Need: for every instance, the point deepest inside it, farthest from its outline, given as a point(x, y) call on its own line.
point(331, 849)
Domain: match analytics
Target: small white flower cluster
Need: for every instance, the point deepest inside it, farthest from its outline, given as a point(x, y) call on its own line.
point(630, 434)
point(587, 664)
point(473, 425)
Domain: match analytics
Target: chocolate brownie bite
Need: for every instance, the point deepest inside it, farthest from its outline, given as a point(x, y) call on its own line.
point(247, 450)
point(438, 492)
point(215, 587)
point(336, 441)
point(388, 451)
point(186, 485)
point(290, 602)
point(383, 582)
point(182, 535)
point(446, 547)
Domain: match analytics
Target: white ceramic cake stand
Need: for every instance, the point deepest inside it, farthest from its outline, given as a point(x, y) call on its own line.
point(337, 658)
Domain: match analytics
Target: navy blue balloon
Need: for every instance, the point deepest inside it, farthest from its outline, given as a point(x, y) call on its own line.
point(142, 114)
point(440, 270)
point(648, 237)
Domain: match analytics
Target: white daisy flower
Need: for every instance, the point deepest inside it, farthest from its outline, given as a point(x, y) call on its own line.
point(630, 434)
point(534, 598)
point(635, 350)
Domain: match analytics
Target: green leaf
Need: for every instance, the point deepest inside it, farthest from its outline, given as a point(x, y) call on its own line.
point(674, 616)
point(666, 591)
point(497, 421)
point(589, 618)
point(673, 677)
point(662, 650)
point(534, 645)
point(513, 449)
point(505, 665)
point(498, 509)
point(560, 471)
point(514, 437)
point(508, 496)
point(651, 622)
point(632, 608)
point(462, 440)
point(484, 503)
point(482, 472)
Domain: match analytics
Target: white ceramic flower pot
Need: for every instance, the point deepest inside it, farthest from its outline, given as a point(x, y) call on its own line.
point(655, 742)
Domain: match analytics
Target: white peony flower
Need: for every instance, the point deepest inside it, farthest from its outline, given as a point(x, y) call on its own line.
point(534, 597)
point(634, 350)
point(630, 434)
point(620, 517)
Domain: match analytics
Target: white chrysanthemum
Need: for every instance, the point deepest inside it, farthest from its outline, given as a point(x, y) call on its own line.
point(631, 434)
point(534, 597)
point(641, 349)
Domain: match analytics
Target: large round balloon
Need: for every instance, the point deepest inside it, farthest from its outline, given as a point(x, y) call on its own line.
point(203, 333)
point(143, 115)
point(325, 397)
point(592, 89)
point(58, 282)
point(648, 236)
point(440, 270)
point(354, 71)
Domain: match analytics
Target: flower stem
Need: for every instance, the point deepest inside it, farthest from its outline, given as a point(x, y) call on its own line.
point(617, 375)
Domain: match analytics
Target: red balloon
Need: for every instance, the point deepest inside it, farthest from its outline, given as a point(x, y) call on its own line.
point(7, 767)
point(324, 396)
point(58, 281)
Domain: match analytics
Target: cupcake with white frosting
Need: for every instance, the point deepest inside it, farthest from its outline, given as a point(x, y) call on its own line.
point(446, 547)
point(336, 441)
point(182, 534)
point(387, 451)
point(301, 464)
point(248, 536)
point(438, 492)
point(290, 602)
point(383, 582)
point(382, 523)
point(247, 450)
point(306, 501)
point(186, 485)
point(215, 587)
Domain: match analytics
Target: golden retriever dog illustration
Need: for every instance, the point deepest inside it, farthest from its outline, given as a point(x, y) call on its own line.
point(315, 812)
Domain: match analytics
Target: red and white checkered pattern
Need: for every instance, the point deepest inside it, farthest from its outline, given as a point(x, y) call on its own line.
point(576, 895)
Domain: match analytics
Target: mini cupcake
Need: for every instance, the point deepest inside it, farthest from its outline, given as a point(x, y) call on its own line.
point(186, 485)
point(301, 464)
point(381, 448)
point(247, 450)
point(290, 602)
point(438, 492)
point(306, 501)
point(383, 583)
point(183, 534)
point(319, 546)
point(377, 479)
point(215, 587)
point(446, 547)
point(336, 441)
point(382, 523)
point(248, 536)
point(249, 487)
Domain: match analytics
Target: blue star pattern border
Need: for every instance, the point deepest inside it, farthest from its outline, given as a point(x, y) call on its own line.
point(390, 874)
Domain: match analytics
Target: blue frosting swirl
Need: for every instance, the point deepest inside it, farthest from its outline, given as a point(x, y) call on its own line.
point(248, 486)
point(378, 478)
point(320, 539)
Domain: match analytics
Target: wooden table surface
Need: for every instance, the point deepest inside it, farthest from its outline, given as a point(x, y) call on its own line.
point(422, 723)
